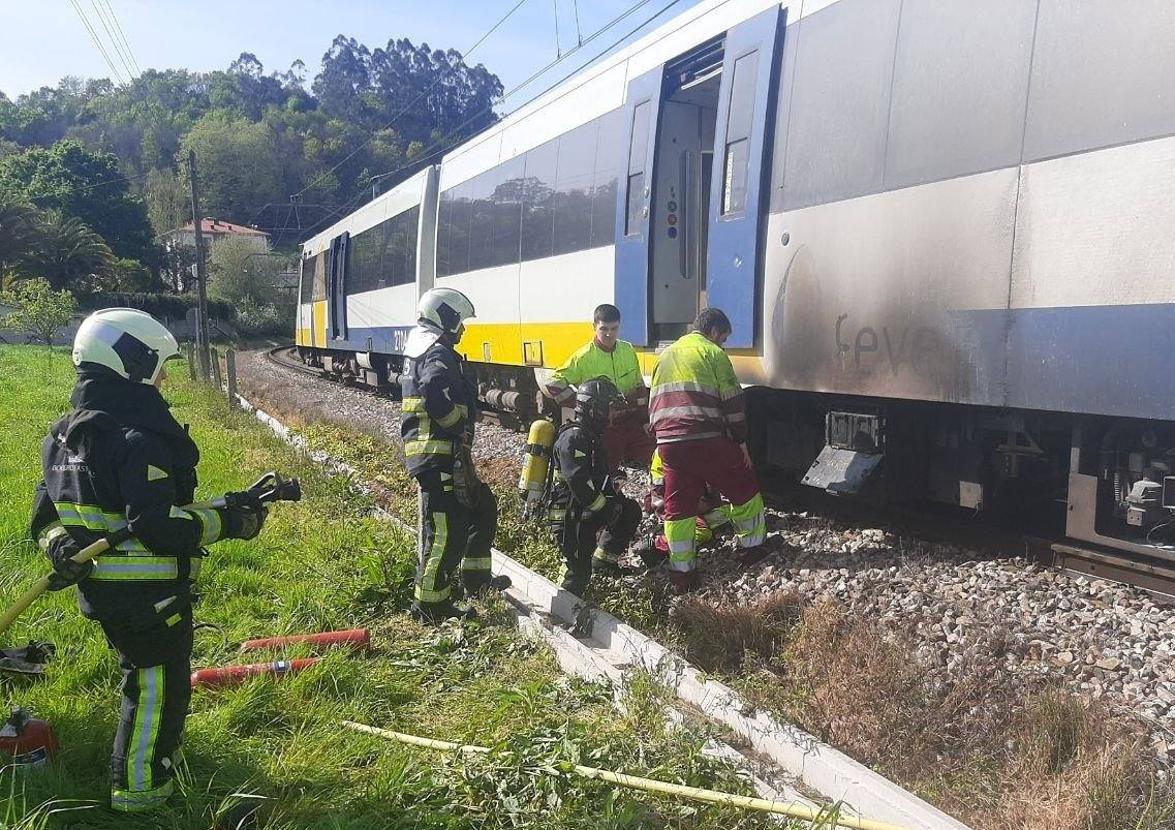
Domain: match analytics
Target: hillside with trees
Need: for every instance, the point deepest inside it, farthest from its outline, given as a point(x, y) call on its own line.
point(92, 173)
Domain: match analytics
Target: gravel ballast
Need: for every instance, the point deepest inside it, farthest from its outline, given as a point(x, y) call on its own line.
point(1104, 641)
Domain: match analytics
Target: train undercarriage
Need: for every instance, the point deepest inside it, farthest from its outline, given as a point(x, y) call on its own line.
point(1108, 482)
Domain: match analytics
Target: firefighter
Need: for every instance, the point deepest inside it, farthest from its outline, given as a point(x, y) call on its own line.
point(697, 412)
point(627, 439)
point(458, 513)
point(120, 459)
point(592, 522)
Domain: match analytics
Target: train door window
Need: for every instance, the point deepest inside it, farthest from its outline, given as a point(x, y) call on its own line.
point(738, 135)
point(319, 292)
point(636, 168)
point(307, 286)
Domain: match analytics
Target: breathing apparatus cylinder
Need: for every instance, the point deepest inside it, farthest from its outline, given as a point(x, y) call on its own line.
point(535, 463)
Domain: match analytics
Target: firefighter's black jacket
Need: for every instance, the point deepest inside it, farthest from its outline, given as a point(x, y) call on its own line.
point(120, 458)
point(438, 410)
point(581, 468)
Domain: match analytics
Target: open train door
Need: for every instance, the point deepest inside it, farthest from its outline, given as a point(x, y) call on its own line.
point(739, 185)
point(336, 288)
point(633, 200)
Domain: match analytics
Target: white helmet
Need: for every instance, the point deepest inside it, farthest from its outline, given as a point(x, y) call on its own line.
point(445, 307)
point(127, 341)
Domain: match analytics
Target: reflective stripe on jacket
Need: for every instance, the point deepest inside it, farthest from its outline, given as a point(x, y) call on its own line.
point(619, 365)
point(695, 393)
point(437, 412)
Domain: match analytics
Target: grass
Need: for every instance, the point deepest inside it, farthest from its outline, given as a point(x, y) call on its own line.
point(976, 747)
point(324, 563)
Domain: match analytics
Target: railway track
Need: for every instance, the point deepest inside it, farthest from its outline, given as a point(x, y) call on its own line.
point(1154, 576)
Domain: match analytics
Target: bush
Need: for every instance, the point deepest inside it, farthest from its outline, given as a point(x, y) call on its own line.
point(255, 318)
point(170, 306)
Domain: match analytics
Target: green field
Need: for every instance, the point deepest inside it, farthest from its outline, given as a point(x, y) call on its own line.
point(321, 564)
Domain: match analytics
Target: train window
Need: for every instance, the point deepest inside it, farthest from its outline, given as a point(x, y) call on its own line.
point(840, 102)
point(1102, 74)
point(959, 90)
point(537, 200)
point(637, 152)
point(481, 220)
point(319, 292)
point(408, 223)
point(609, 144)
point(444, 232)
point(364, 251)
point(573, 182)
point(738, 132)
point(508, 212)
point(459, 216)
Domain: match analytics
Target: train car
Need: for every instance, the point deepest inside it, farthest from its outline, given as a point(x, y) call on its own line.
point(941, 230)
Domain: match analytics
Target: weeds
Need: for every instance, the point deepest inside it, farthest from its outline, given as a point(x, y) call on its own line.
point(321, 563)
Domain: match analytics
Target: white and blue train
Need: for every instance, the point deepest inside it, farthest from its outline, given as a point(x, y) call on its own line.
point(944, 232)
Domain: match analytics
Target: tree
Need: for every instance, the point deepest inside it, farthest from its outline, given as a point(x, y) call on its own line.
point(38, 309)
point(19, 233)
point(238, 168)
point(168, 201)
point(69, 254)
point(239, 272)
point(84, 185)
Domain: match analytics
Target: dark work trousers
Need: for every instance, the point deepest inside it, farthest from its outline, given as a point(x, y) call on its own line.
point(154, 650)
point(453, 534)
point(584, 540)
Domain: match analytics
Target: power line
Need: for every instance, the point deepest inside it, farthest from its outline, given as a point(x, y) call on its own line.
point(578, 33)
point(558, 47)
point(122, 36)
point(441, 142)
point(94, 37)
point(409, 105)
point(117, 47)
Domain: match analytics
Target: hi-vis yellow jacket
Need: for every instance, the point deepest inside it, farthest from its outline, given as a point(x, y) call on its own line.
point(619, 366)
point(695, 393)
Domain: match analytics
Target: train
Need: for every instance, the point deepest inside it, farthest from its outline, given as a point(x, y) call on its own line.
point(944, 233)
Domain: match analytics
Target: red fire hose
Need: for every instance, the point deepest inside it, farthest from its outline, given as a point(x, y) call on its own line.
point(358, 638)
point(234, 675)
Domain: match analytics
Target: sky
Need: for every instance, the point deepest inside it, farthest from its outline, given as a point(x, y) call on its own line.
point(47, 40)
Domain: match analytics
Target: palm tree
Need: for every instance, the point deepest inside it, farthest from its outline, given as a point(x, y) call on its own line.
point(69, 254)
point(19, 234)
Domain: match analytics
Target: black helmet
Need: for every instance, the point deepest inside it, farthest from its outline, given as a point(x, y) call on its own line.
point(593, 402)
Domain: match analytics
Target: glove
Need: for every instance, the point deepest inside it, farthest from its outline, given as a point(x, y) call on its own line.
point(612, 511)
point(67, 572)
point(242, 522)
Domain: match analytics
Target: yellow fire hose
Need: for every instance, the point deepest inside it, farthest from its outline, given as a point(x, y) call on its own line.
point(650, 785)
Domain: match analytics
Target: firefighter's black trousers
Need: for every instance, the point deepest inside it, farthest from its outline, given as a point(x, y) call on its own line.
point(452, 534)
point(154, 648)
point(584, 540)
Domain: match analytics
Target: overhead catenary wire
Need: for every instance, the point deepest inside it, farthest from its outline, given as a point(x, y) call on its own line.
point(97, 42)
point(821, 817)
point(442, 142)
point(410, 104)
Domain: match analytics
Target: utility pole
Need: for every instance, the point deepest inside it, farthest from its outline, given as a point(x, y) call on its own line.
point(201, 279)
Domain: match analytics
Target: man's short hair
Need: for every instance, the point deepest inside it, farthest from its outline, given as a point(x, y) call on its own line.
point(712, 319)
point(605, 313)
